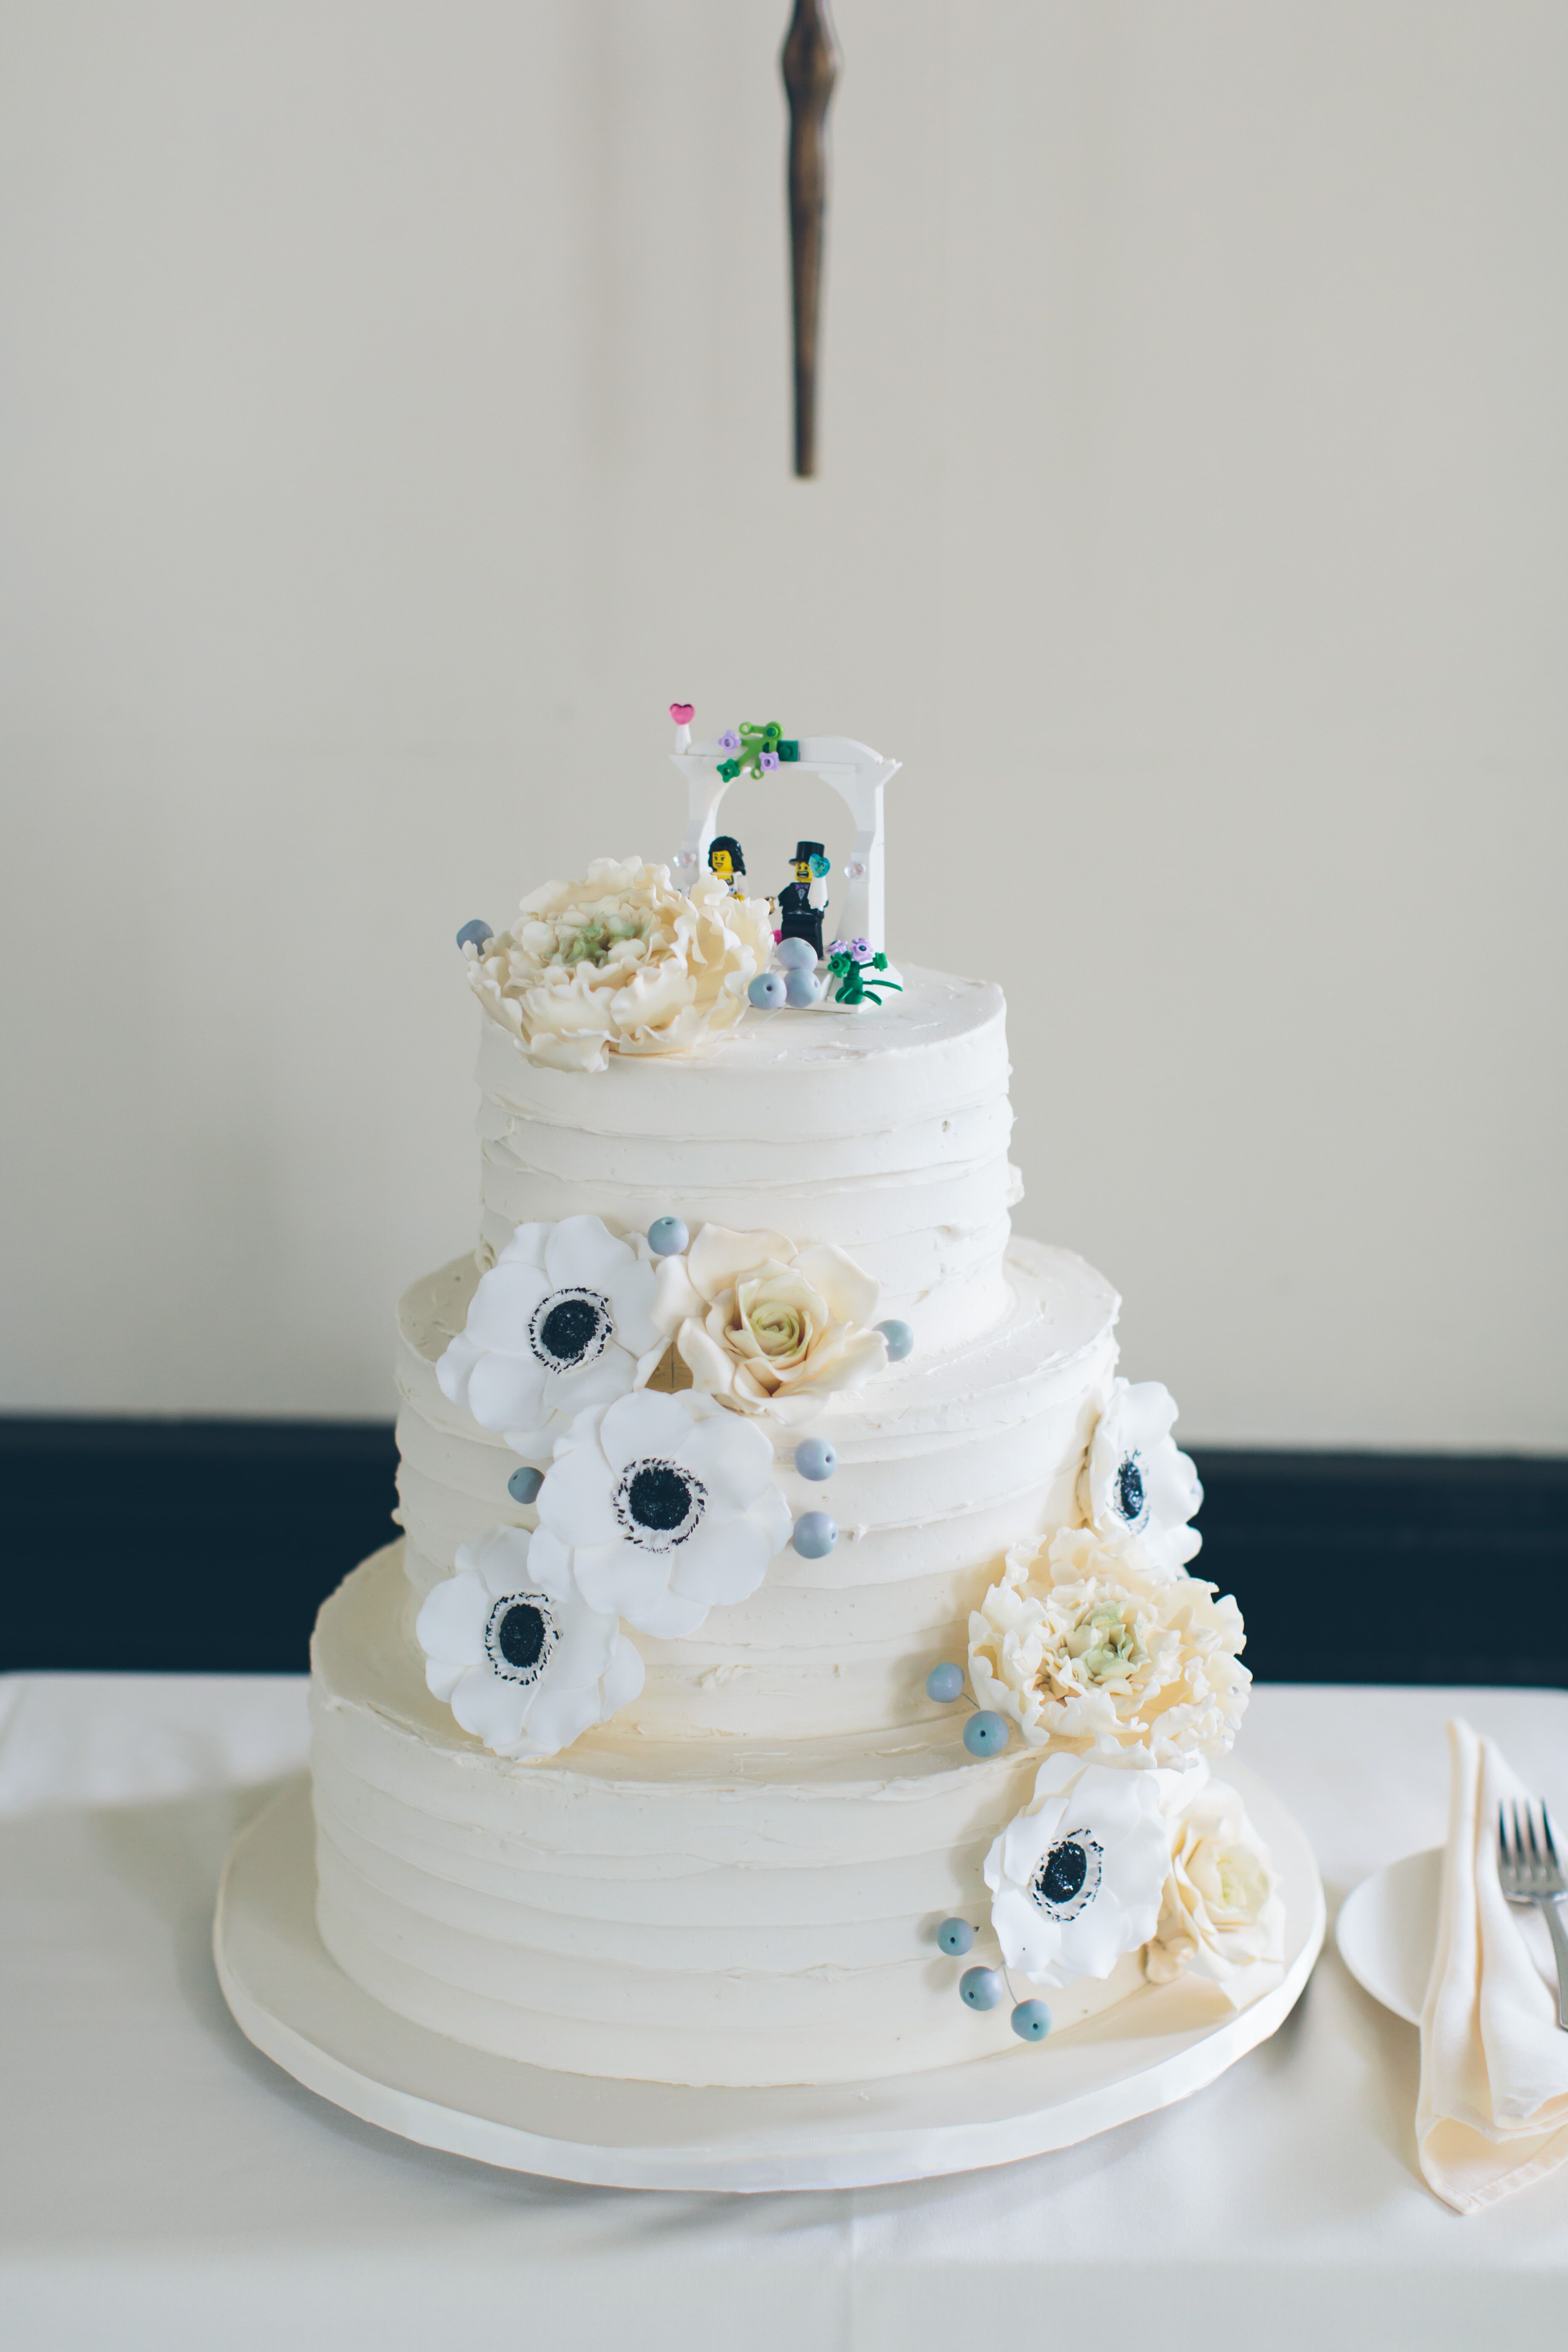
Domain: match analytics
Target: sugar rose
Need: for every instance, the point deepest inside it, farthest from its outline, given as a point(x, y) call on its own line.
point(767, 1328)
point(1220, 1914)
point(621, 962)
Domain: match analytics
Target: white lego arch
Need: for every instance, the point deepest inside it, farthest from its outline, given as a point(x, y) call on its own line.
point(857, 773)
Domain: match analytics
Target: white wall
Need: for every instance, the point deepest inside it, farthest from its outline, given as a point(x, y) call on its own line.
point(393, 420)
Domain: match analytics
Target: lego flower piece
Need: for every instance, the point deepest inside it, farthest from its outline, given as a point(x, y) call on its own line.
point(1136, 1483)
point(659, 1506)
point(1084, 1648)
point(517, 1654)
point(563, 1319)
point(621, 962)
point(1076, 1878)
point(767, 1329)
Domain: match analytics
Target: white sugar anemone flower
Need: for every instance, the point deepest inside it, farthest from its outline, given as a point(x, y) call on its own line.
point(563, 1319)
point(767, 1329)
point(1076, 1877)
point(1135, 1484)
point(661, 1505)
point(1221, 1915)
point(514, 1650)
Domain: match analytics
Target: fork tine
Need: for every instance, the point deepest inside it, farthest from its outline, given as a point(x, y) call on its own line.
point(1536, 1861)
point(1520, 1849)
point(1546, 1830)
point(1502, 1837)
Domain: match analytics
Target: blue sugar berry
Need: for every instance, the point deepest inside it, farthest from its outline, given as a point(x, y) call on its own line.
point(955, 1936)
point(814, 1535)
point(524, 1485)
point(801, 989)
point(767, 991)
point(901, 1339)
point(985, 1734)
point(945, 1683)
point(474, 934)
point(1031, 2021)
point(795, 955)
point(816, 1459)
point(668, 1237)
point(981, 1987)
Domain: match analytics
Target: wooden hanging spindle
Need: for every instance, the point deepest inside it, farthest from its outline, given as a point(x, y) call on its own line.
point(810, 66)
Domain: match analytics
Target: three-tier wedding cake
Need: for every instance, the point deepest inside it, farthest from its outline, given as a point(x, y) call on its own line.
point(790, 1671)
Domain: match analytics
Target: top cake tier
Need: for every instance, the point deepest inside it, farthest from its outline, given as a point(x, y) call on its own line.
point(884, 1131)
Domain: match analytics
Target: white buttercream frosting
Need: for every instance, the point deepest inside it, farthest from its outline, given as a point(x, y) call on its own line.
point(736, 1878)
point(944, 1461)
point(731, 1912)
point(883, 1132)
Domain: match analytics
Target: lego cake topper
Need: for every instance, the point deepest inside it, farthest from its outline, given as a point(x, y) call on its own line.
point(856, 772)
point(862, 973)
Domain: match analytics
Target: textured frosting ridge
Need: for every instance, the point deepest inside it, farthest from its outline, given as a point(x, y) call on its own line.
point(736, 1913)
point(885, 1133)
point(943, 1464)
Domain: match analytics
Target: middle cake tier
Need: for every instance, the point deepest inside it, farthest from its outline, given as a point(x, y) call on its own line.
point(943, 1464)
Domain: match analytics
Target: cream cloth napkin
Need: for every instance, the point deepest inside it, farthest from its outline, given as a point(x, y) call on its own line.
point(1492, 2115)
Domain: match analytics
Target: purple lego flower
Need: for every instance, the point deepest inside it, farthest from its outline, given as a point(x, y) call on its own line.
point(861, 951)
point(768, 761)
point(729, 740)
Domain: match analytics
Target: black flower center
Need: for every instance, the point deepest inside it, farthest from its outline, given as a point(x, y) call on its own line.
point(520, 1636)
point(1068, 1881)
point(657, 1504)
point(1131, 1496)
point(570, 1327)
point(1063, 1873)
point(659, 1498)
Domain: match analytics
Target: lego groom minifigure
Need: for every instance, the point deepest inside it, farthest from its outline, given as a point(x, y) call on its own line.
point(802, 902)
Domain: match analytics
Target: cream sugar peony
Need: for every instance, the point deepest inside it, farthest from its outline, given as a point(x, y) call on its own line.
point(621, 962)
point(1084, 1647)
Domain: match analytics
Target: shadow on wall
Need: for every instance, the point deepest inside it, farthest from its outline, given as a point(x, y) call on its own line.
point(207, 1546)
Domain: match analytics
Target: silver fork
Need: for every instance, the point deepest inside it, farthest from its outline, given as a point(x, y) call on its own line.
point(1529, 1872)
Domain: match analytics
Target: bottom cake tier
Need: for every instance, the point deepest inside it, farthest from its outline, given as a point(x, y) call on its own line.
point(699, 1911)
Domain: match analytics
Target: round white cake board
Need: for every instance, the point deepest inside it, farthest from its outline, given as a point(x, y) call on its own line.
point(293, 2001)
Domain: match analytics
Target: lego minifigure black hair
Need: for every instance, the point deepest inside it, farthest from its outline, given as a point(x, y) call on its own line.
point(726, 859)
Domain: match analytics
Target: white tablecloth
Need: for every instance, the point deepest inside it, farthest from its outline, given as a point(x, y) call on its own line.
point(163, 2185)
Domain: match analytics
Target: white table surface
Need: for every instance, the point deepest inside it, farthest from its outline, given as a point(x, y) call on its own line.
point(163, 2185)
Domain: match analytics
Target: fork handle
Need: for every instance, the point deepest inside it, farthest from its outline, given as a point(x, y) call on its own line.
point(1557, 1927)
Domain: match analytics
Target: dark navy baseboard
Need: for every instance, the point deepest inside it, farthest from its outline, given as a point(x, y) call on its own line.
point(203, 1545)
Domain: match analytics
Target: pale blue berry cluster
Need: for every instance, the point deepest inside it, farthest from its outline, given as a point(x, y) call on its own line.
point(986, 1987)
point(985, 1733)
point(794, 983)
